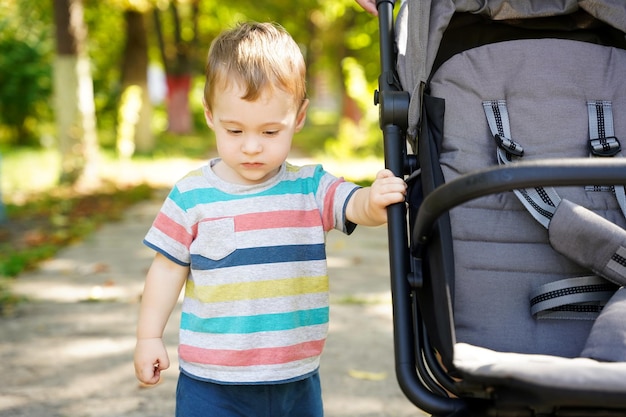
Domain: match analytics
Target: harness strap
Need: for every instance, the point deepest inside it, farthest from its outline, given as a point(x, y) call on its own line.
point(577, 298)
point(541, 202)
point(603, 142)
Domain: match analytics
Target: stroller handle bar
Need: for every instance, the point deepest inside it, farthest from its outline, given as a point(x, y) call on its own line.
point(527, 174)
point(393, 108)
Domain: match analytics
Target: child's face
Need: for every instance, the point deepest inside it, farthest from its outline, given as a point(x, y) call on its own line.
point(253, 137)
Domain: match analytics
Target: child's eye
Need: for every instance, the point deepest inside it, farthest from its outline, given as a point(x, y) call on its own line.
point(270, 132)
point(233, 131)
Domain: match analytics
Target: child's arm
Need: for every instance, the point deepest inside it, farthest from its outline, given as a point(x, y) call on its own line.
point(368, 206)
point(164, 281)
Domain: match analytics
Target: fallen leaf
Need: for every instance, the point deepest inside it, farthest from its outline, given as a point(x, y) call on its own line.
point(369, 376)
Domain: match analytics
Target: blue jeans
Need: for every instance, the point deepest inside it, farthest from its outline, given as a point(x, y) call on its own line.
point(195, 398)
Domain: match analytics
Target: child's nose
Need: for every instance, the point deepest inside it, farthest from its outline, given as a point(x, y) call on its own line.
point(251, 144)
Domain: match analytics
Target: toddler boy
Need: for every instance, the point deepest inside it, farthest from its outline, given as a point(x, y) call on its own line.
point(246, 234)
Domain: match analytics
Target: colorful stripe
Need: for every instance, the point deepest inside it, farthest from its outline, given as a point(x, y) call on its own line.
point(262, 255)
point(329, 202)
point(193, 197)
point(277, 219)
point(251, 357)
point(254, 324)
point(172, 229)
point(239, 291)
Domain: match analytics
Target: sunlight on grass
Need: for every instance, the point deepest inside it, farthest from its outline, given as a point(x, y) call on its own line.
point(159, 172)
point(28, 171)
point(360, 171)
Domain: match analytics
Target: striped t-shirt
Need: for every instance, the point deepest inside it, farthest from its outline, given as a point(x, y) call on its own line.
point(256, 300)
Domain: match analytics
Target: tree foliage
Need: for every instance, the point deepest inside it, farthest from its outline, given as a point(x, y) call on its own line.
point(338, 39)
point(25, 71)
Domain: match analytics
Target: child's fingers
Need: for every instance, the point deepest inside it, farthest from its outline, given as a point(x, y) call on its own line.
point(151, 373)
point(148, 374)
point(164, 363)
point(384, 173)
point(389, 183)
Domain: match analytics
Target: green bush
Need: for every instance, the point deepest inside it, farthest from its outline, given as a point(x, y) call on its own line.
point(26, 82)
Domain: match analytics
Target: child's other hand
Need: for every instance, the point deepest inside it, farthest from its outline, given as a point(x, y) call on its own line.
point(150, 359)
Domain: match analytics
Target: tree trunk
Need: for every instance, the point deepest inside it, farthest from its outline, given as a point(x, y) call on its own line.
point(178, 112)
point(135, 110)
point(178, 69)
point(74, 99)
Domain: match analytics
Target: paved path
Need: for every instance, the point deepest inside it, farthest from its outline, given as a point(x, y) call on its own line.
point(68, 351)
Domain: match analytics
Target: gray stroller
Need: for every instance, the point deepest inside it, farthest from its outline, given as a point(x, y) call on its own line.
point(509, 260)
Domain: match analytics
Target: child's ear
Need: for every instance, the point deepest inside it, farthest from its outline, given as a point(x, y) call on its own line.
point(208, 115)
point(301, 116)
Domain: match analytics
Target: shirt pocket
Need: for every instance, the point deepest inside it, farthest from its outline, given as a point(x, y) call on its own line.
point(215, 239)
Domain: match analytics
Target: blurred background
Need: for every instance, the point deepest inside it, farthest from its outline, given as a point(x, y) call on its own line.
point(100, 104)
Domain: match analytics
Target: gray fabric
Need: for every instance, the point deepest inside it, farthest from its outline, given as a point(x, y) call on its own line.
point(588, 240)
point(542, 370)
point(427, 20)
point(501, 253)
point(607, 340)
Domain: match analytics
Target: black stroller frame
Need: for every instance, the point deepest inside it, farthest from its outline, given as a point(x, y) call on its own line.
point(422, 308)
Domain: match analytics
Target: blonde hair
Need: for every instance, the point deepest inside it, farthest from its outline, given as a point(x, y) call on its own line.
point(259, 56)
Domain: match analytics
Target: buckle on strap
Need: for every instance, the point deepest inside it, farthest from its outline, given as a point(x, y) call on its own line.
point(608, 146)
point(509, 145)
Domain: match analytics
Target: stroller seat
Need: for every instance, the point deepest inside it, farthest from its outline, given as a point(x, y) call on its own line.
point(499, 308)
point(548, 373)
